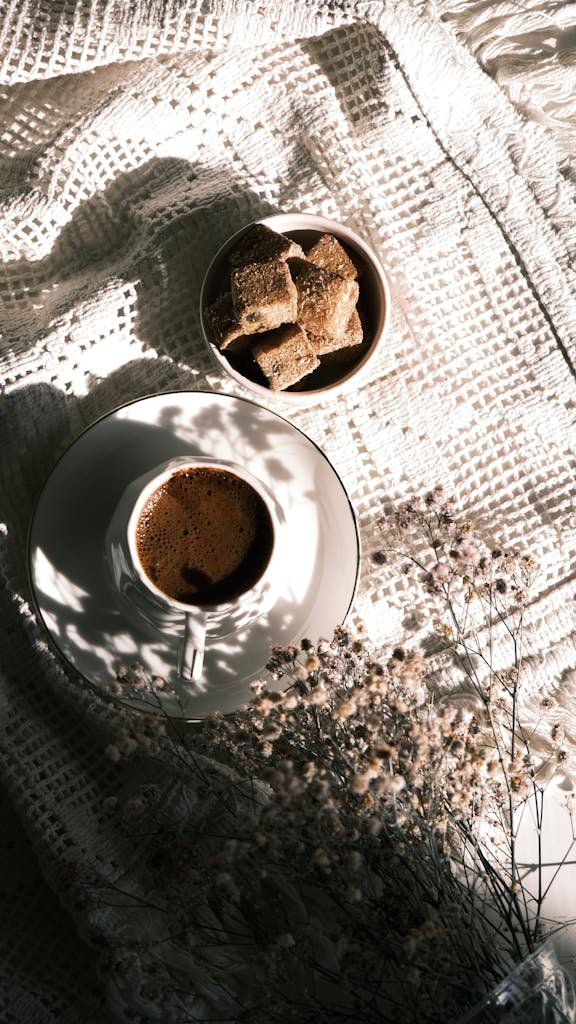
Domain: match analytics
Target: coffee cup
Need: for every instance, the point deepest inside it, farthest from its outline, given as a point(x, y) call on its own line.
point(195, 547)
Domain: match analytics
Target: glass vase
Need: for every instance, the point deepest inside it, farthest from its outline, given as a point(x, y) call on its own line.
point(539, 990)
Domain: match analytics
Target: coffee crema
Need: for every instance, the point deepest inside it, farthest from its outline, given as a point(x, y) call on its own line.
point(204, 536)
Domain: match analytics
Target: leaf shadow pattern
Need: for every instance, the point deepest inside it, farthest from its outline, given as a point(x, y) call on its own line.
point(76, 593)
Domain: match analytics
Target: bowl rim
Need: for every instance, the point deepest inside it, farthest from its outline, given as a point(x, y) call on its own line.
point(285, 223)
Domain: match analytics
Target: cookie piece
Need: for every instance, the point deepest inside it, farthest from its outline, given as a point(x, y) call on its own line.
point(259, 244)
point(330, 255)
point(222, 325)
point(285, 356)
point(264, 296)
point(325, 301)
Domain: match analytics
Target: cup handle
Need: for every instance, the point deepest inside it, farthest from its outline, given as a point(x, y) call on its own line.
point(191, 653)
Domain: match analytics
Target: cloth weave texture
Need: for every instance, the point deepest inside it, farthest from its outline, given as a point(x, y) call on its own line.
point(135, 139)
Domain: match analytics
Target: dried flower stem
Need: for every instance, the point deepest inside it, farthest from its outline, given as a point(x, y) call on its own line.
point(345, 847)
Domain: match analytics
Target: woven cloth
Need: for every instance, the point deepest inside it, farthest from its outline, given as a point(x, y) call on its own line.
point(135, 138)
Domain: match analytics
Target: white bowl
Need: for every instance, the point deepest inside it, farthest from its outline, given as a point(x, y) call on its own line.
point(324, 382)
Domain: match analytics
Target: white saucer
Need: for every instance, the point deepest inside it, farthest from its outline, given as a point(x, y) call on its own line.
point(87, 621)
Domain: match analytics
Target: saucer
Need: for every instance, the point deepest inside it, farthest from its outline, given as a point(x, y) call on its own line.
point(96, 632)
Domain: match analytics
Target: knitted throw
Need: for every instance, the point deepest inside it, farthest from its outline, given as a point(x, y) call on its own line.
point(134, 139)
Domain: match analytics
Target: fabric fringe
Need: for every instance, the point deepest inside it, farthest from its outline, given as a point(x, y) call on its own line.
point(529, 48)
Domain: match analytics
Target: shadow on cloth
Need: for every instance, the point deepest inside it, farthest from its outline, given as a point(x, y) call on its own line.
point(156, 227)
point(171, 272)
point(33, 921)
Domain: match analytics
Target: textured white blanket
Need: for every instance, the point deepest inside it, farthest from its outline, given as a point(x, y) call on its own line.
point(133, 140)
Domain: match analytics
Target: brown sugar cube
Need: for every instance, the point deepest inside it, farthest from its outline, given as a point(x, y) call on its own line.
point(330, 255)
point(223, 328)
point(322, 344)
point(358, 333)
point(285, 356)
point(259, 244)
point(325, 301)
point(263, 296)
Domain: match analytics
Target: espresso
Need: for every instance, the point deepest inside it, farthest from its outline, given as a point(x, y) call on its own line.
point(204, 536)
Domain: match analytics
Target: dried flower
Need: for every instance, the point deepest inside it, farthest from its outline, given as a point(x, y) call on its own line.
point(364, 804)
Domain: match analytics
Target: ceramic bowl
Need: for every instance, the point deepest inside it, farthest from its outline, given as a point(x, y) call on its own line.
point(374, 305)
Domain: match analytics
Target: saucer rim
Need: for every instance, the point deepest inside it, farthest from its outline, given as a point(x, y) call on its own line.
point(99, 691)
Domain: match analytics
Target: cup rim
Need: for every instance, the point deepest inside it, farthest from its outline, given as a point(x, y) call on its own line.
point(285, 223)
point(174, 466)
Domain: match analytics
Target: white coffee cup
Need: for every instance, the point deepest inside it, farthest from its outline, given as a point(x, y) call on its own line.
point(192, 625)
